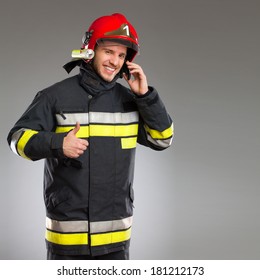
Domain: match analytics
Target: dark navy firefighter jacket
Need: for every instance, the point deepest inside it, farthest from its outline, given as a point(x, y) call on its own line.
point(89, 200)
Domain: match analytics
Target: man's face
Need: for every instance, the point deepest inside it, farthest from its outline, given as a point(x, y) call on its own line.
point(108, 60)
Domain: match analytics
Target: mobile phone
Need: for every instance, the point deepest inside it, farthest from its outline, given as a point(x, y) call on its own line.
point(126, 71)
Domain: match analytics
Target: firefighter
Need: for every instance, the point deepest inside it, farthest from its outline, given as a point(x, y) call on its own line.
point(86, 128)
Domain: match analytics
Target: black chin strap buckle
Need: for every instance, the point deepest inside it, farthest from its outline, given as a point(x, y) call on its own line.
point(86, 37)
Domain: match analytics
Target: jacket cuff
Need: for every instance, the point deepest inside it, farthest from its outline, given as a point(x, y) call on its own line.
point(143, 95)
point(57, 144)
point(148, 98)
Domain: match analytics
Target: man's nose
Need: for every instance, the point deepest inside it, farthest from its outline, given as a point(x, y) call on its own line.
point(114, 60)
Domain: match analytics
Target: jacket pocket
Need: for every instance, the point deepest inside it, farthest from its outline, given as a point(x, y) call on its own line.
point(56, 199)
point(128, 143)
point(69, 116)
point(129, 200)
point(131, 194)
point(76, 163)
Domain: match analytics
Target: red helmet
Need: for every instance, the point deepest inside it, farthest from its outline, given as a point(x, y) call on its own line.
point(115, 28)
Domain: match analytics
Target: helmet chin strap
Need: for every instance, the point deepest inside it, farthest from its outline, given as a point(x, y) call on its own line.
point(86, 37)
point(71, 65)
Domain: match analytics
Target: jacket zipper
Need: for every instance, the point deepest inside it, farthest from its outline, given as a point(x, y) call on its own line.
point(89, 204)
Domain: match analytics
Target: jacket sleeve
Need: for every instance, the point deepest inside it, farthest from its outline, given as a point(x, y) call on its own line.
point(33, 136)
point(156, 127)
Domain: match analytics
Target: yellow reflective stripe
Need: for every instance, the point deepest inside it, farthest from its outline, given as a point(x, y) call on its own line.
point(128, 143)
point(82, 238)
point(82, 133)
point(26, 136)
point(114, 130)
point(111, 237)
point(102, 130)
point(61, 129)
point(167, 133)
point(67, 238)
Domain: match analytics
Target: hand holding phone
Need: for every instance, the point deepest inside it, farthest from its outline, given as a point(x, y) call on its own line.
point(138, 83)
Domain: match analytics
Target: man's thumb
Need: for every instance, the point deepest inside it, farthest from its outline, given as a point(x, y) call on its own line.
point(76, 128)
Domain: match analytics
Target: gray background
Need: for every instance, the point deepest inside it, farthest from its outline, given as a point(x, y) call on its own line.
point(200, 198)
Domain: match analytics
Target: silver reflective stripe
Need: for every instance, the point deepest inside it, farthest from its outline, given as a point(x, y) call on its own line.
point(15, 138)
point(113, 118)
point(97, 117)
point(67, 226)
point(159, 142)
point(108, 226)
point(72, 118)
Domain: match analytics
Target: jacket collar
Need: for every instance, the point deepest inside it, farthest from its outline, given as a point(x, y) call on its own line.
point(89, 79)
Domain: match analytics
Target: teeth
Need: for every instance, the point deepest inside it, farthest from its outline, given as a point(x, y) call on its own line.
point(110, 69)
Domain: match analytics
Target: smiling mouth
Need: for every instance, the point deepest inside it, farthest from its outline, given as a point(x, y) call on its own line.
point(110, 69)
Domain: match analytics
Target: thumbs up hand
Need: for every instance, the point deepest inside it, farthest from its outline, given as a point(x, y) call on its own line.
point(73, 147)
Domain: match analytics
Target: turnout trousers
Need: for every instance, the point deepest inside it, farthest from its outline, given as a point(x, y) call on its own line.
point(120, 255)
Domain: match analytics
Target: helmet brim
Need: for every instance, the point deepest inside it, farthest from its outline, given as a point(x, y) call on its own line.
point(116, 41)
